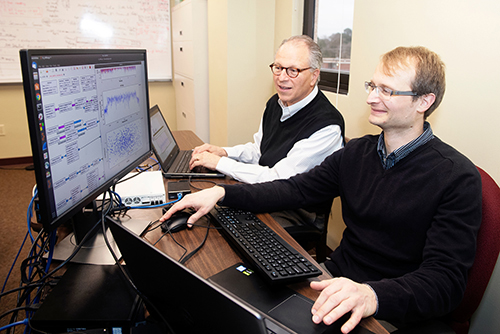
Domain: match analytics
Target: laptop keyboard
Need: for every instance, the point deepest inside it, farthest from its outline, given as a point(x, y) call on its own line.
point(274, 258)
point(182, 165)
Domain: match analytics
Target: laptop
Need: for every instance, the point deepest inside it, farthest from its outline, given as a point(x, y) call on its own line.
point(174, 162)
point(191, 304)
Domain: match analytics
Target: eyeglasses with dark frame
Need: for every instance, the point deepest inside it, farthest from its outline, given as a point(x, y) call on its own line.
point(384, 92)
point(292, 72)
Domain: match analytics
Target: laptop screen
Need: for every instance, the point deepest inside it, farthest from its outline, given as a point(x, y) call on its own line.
point(189, 303)
point(163, 141)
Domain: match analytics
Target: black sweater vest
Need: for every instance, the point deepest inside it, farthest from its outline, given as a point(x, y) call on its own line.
point(279, 137)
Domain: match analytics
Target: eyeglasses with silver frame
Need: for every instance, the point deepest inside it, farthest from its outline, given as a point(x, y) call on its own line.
point(384, 92)
point(292, 72)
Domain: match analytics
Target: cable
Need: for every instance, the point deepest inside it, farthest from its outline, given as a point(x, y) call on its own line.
point(179, 196)
point(35, 193)
point(178, 244)
point(128, 279)
point(140, 168)
point(30, 211)
point(18, 289)
point(135, 175)
point(183, 260)
point(12, 267)
point(24, 322)
point(34, 270)
point(17, 309)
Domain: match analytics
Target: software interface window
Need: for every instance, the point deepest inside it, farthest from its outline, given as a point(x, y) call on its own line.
point(88, 113)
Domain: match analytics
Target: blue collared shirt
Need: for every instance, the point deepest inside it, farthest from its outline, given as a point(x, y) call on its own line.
point(390, 160)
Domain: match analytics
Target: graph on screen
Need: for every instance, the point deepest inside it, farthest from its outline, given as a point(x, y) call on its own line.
point(122, 142)
point(119, 103)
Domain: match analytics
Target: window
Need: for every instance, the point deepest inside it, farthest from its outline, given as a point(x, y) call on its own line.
point(329, 23)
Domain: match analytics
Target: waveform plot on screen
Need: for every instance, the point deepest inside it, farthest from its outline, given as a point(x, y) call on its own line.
point(123, 142)
point(121, 102)
point(117, 72)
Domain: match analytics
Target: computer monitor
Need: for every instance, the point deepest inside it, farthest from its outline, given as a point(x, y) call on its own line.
point(89, 126)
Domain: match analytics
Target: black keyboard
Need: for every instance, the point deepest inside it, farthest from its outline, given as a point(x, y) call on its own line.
point(265, 249)
point(182, 165)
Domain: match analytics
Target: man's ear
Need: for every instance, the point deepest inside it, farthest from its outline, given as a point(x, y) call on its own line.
point(425, 102)
point(315, 76)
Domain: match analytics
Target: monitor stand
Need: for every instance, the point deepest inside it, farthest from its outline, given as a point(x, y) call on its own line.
point(94, 250)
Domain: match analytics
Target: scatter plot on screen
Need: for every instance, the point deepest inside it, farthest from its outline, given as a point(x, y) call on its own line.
point(122, 102)
point(123, 141)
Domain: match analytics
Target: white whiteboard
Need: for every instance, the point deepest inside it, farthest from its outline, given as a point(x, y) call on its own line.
point(100, 24)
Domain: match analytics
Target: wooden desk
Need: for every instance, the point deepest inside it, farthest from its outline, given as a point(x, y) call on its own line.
point(216, 255)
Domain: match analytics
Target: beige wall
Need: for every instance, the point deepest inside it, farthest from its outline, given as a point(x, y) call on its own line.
point(462, 32)
point(16, 142)
point(465, 35)
point(242, 37)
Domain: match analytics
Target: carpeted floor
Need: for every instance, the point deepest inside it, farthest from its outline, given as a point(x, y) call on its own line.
point(16, 186)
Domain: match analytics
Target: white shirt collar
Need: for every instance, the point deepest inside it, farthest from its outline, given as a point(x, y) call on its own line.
point(294, 108)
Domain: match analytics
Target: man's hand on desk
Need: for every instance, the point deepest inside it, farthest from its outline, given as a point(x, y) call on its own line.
point(340, 296)
point(202, 202)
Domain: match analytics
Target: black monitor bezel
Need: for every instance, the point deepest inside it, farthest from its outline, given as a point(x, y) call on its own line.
point(43, 210)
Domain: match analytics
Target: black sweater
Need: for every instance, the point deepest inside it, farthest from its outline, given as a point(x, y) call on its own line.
point(279, 137)
point(410, 230)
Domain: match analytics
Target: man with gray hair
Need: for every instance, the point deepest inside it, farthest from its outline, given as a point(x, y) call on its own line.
point(299, 129)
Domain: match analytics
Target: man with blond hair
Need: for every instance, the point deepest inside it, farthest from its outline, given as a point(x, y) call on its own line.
point(411, 204)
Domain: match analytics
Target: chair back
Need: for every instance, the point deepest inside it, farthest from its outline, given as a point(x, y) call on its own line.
point(488, 248)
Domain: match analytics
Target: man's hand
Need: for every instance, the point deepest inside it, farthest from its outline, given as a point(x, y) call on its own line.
point(210, 149)
point(207, 156)
point(205, 159)
point(202, 202)
point(340, 296)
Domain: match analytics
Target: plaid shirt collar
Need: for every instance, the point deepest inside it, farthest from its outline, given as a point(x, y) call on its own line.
point(390, 160)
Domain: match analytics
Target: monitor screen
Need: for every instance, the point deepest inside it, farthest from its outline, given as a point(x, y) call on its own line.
point(88, 121)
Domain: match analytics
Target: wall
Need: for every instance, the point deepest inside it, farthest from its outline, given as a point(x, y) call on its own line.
point(16, 142)
point(464, 34)
point(242, 38)
point(241, 41)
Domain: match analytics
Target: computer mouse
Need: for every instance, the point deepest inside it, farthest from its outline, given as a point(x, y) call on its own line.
point(176, 223)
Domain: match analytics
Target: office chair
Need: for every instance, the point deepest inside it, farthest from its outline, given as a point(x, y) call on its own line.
point(488, 248)
point(309, 237)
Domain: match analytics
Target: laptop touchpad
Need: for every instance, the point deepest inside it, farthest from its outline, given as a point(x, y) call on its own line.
point(300, 319)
